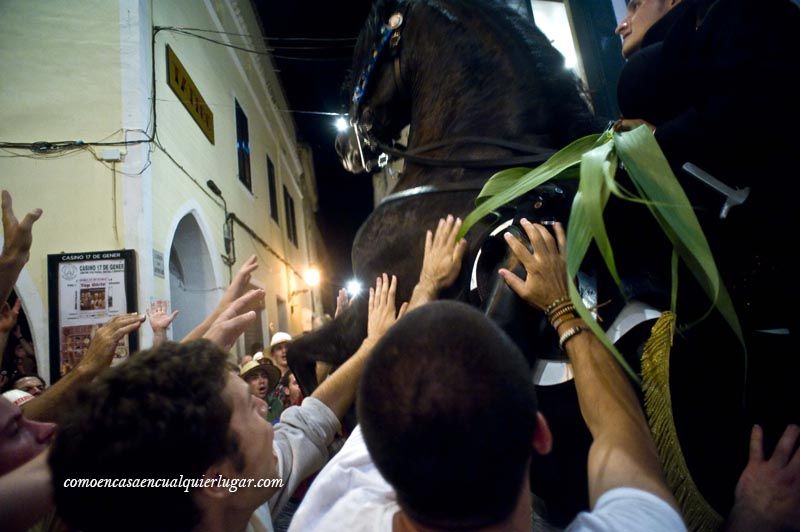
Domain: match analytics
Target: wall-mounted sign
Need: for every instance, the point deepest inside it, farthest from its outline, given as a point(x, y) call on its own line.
point(158, 264)
point(85, 291)
point(187, 92)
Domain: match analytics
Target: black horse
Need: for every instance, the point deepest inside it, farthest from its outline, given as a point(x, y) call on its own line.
point(468, 115)
point(483, 90)
point(507, 101)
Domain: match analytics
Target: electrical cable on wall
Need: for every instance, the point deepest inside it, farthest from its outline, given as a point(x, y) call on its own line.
point(268, 51)
point(63, 148)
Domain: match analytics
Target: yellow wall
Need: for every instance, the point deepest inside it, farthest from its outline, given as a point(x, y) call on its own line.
point(81, 70)
point(59, 80)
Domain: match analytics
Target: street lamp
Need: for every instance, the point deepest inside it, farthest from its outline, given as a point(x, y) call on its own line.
point(311, 276)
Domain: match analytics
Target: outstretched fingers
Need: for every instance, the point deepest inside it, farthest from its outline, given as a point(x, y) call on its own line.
point(428, 242)
point(403, 310)
point(122, 325)
point(454, 227)
point(540, 237)
point(9, 220)
point(520, 251)
point(238, 324)
point(247, 268)
point(242, 278)
point(242, 303)
point(460, 250)
point(561, 238)
point(756, 444)
point(513, 281)
point(785, 446)
point(27, 222)
point(127, 329)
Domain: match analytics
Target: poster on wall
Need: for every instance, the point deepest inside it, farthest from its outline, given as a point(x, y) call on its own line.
point(85, 291)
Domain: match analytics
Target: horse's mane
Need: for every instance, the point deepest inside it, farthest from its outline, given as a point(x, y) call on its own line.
point(538, 68)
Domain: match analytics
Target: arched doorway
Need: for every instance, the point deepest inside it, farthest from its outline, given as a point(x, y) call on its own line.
point(193, 288)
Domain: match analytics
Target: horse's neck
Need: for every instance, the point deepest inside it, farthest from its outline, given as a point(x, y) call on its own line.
point(425, 130)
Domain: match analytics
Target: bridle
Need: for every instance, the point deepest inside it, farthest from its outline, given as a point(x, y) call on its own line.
point(391, 36)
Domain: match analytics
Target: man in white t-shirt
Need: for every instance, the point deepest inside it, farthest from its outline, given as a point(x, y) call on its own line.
point(449, 423)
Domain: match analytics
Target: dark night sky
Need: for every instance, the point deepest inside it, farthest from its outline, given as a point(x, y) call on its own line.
point(315, 84)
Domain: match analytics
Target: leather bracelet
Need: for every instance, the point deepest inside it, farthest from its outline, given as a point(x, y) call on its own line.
point(560, 311)
point(569, 333)
point(563, 319)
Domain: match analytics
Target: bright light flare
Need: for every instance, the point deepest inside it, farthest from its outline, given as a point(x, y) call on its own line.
point(312, 277)
point(353, 287)
point(341, 124)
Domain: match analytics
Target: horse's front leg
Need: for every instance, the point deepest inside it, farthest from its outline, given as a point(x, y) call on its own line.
point(333, 343)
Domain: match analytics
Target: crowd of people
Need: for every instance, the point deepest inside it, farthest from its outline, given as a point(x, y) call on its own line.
point(182, 436)
point(418, 460)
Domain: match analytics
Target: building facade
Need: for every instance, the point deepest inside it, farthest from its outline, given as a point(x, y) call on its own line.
point(113, 120)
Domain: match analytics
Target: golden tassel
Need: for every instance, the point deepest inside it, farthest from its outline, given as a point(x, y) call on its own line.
point(699, 515)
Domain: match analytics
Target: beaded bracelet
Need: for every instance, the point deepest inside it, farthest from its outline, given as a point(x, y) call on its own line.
point(555, 309)
point(569, 333)
point(554, 304)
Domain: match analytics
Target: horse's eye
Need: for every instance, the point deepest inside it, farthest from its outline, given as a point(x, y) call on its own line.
point(366, 119)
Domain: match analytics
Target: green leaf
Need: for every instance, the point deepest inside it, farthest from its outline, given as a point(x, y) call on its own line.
point(668, 203)
point(586, 223)
point(597, 170)
point(513, 184)
point(658, 189)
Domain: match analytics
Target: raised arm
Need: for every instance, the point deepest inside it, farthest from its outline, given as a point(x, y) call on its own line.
point(234, 319)
point(623, 452)
point(441, 263)
point(236, 290)
point(8, 320)
point(98, 357)
point(338, 391)
point(17, 240)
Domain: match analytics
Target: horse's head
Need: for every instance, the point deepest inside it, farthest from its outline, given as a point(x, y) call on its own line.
point(453, 69)
point(376, 89)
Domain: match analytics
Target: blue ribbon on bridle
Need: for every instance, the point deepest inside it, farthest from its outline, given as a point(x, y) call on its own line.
point(363, 79)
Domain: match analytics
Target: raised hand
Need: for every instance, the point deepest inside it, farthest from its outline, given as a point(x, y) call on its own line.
point(159, 320)
point(441, 262)
point(236, 289)
point(546, 266)
point(17, 240)
point(101, 349)
point(239, 283)
point(382, 313)
point(443, 255)
point(233, 321)
point(342, 302)
point(768, 491)
point(158, 317)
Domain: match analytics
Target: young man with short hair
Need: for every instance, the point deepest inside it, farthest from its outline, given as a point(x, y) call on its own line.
point(449, 424)
point(177, 412)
